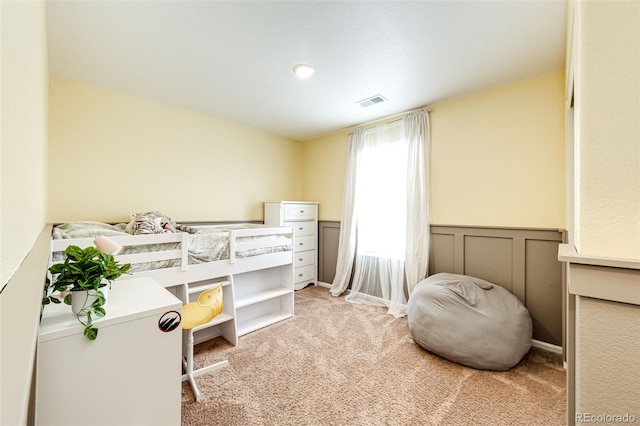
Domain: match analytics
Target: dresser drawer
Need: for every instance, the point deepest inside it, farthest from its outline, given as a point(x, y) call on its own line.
point(305, 273)
point(304, 258)
point(300, 211)
point(305, 243)
point(302, 228)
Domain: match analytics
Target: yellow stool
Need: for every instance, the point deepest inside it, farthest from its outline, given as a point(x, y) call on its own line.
point(197, 315)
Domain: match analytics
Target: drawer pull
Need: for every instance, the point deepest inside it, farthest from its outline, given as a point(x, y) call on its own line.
point(300, 260)
point(301, 228)
point(300, 275)
point(301, 244)
point(301, 211)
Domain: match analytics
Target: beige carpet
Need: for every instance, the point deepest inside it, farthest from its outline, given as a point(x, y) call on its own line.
point(336, 363)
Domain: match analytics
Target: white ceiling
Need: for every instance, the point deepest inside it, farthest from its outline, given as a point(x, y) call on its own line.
point(233, 60)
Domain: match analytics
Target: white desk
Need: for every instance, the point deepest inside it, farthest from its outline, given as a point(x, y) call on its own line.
point(130, 375)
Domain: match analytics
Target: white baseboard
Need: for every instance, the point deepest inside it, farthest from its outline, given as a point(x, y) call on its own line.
point(546, 346)
point(321, 284)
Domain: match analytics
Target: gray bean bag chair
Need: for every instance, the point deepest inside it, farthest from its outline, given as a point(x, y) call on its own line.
point(469, 321)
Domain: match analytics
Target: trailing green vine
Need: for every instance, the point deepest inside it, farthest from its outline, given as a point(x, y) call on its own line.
point(84, 269)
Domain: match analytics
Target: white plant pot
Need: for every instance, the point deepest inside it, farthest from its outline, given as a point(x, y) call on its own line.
point(81, 299)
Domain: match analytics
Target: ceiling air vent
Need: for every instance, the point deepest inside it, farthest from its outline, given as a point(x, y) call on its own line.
point(371, 101)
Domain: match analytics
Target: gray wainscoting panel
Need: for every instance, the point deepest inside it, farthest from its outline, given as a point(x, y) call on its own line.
point(543, 293)
point(489, 257)
point(328, 239)
point(444, 256)
point(522, 260)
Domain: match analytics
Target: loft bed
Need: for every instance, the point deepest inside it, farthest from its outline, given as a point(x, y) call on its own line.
point(254, 260)
point(182, 257)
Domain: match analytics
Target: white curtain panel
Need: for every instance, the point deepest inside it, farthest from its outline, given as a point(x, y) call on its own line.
point(347, 238)
point(385, 219)
point(416, 130)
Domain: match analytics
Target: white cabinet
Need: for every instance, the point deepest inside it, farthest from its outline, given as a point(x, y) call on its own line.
point(303, 217)
point(131, 373)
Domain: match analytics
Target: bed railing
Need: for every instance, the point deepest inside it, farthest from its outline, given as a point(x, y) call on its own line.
point(175, 247)
point(179, 252)
point(236, 244)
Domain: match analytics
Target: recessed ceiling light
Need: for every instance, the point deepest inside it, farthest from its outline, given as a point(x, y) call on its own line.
point(303, 71)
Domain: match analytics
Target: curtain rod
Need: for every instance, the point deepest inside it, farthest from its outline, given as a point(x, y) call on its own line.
point(390, 117)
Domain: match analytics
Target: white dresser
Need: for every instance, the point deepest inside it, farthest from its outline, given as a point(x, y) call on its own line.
point(303, 217)
point(130, 375)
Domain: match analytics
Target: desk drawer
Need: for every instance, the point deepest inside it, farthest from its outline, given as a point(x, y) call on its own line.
point(300, 211)
point(305, 243)
point(303, 228)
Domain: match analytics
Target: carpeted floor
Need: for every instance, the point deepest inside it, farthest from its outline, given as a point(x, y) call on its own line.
point(335, 363)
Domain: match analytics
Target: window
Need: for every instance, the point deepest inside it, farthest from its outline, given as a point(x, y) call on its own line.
point(384, 231)
point(381, 197)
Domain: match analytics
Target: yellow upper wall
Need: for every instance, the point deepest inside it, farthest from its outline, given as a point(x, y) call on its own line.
point(497, 158)
point(325, 161)
point(607, 103)
point(112, 154)
point(23, 166)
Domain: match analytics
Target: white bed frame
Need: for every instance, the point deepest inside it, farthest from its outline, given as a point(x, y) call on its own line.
point(260, 288)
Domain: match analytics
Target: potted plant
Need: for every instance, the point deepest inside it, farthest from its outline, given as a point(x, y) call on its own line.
point(86, 273)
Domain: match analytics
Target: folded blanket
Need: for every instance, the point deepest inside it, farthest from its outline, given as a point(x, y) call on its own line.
point(87, 229)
